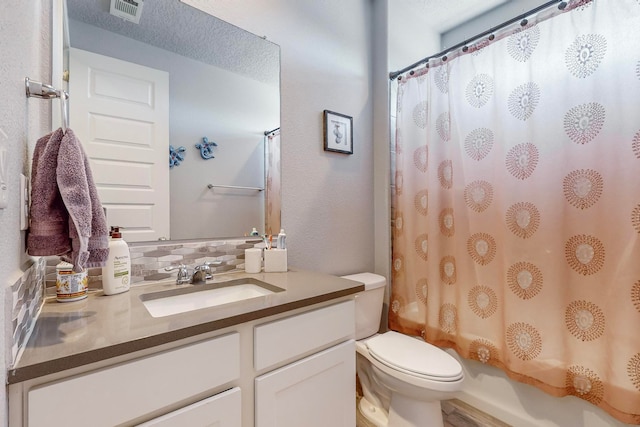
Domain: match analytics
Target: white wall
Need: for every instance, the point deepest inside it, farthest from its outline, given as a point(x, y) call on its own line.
point(229, 109)
point(411, 38)
point(488, 20)
point(327, 198)
point(25, 51)
point(381, 134)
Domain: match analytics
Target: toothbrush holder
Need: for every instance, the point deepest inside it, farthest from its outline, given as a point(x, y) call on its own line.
point(275, 260)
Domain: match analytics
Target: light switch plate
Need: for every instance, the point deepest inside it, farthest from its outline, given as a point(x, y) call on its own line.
point(24, 202)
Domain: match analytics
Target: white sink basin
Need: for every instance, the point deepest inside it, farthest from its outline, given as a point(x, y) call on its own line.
point(160, 304)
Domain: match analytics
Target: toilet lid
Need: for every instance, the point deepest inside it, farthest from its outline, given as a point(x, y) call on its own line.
point(415, 357)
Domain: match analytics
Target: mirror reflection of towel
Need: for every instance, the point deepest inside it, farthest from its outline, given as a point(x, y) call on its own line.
point(67, 218)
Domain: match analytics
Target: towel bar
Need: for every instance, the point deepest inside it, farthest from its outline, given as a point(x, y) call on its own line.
point(235, 187)
point(41, 90)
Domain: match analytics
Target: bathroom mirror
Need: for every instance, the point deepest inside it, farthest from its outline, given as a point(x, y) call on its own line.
point(223, 85)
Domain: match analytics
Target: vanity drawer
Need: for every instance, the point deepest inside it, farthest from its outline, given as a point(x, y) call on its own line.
point(222, 410)
point(294, 336)
point(118, 394)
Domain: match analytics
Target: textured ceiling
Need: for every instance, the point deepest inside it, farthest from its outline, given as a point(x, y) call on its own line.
point(177, 27)
point(444, 15)
point(182, 29)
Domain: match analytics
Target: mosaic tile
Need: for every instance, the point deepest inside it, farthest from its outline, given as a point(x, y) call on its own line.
point(183, 251)
point(216, 243)
point(244, 246)
point(150, 260)
point(193, 257)
point(170, 258)
point(157, 253)
point(26, 297)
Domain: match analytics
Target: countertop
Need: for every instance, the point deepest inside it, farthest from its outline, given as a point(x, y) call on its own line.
point(67, 335)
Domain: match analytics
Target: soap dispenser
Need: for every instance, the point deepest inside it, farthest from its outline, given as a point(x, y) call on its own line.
point(116, 274)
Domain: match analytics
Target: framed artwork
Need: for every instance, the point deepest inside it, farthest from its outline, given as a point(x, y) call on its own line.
point(338, 132)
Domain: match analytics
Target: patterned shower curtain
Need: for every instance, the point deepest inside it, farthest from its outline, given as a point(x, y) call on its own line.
point(516, 203)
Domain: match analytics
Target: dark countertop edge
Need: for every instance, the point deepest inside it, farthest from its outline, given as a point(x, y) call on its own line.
point(29, 372)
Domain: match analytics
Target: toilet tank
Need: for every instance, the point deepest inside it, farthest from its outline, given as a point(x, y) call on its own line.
point(368, 303)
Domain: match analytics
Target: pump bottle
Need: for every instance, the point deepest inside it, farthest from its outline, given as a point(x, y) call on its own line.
point(116, 274)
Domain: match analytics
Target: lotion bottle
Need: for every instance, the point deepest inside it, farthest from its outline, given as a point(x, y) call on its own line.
point(116, 274)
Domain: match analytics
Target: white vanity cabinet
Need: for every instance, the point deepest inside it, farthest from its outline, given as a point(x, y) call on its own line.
point(295, 368)
point(121, 394)
point(317, 390)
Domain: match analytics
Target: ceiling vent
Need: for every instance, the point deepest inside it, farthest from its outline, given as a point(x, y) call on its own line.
point(129, 10)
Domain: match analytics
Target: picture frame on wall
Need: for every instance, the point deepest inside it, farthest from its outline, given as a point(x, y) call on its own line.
point(338, 132)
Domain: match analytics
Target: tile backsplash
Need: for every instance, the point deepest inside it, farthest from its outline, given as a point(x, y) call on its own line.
point(22, 304)
point(148, 262)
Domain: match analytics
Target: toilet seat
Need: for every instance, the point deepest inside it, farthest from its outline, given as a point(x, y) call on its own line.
point(413, 357)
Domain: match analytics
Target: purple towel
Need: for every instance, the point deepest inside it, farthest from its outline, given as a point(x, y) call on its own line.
point(87, 224)
point(66, 214)
point(49, 227)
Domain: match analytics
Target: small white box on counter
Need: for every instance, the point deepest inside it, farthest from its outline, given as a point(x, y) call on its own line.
point(275, 260)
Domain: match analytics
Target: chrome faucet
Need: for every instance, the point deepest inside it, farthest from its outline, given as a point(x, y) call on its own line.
point(183, 273)
point(202, 272)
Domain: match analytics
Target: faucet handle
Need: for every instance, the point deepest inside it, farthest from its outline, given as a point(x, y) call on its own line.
point(183, 273)
point(206, 268)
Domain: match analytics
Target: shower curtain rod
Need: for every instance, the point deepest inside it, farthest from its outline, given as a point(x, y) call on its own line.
point(561, 6)
point(267, 132)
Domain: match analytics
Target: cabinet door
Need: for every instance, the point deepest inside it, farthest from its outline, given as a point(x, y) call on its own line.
point(317, 391)
point(222, 410)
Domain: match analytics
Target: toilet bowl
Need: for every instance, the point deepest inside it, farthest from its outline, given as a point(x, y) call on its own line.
point(403, 379)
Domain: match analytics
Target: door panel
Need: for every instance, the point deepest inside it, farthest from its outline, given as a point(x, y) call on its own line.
point(120, 113)
point(317, 391)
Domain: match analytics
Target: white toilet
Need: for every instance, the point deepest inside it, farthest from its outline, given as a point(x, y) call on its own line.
point(403, 378)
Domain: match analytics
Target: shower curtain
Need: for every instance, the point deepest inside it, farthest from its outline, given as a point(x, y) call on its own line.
point(516, 203)
point(272, 187)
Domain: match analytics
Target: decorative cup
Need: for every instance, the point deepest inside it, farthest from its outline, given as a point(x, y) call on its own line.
point(70, 286)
